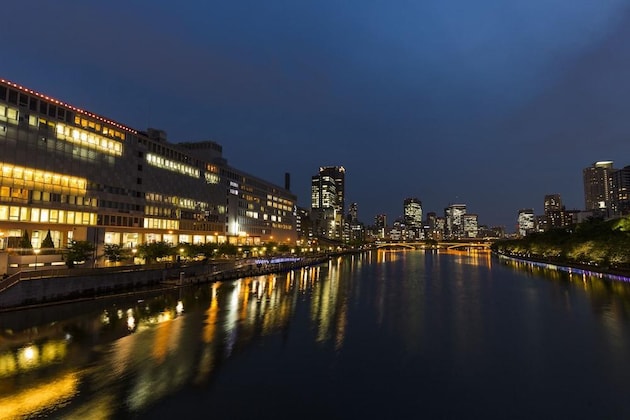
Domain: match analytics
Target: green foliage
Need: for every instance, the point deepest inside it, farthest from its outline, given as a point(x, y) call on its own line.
point(154, 250)
point(48, 242)
point(227, 249)
point(115, 252)
point(283, 248)
point(78, 251)
point(25, 242)
point(594, 241)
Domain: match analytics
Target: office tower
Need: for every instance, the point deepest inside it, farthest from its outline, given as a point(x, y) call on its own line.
point(554, 216)
point(380, 222)
point(526, 224)
point(597, 186)
point(552, 202)
point(453, 217)
point(620, 197)
point(327, 201)
point(413, 213)
point(85, 177)
point(470, 225)
point(353, 213)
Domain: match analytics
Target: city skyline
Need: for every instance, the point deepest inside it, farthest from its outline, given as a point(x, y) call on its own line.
point(494, 107)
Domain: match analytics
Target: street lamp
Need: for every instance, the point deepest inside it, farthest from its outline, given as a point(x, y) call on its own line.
point(36, 251)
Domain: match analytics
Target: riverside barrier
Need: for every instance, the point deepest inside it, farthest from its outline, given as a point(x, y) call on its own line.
point(31, 289)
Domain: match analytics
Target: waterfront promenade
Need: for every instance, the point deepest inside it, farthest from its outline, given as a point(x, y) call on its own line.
point(31, 288)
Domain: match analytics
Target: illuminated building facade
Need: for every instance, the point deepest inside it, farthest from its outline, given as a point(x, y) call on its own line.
point(412, 208)
point(598, 186)
point(470, 225)
point(620, 197)
point(82, 176)
point(328, 201)
point(453, 216)
point(526, 222)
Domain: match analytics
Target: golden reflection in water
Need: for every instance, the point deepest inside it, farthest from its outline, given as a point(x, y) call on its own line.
point(387, 255)
point(610, 298)
point(37, 398)
point(328, 307)
point(473, 256)
point(32, 357)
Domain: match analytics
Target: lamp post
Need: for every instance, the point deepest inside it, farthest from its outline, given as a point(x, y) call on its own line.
point(36, 251)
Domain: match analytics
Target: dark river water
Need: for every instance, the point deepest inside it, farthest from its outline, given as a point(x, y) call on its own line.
point(380, 335)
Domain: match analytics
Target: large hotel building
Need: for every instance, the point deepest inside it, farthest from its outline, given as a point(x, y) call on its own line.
point(82, 176)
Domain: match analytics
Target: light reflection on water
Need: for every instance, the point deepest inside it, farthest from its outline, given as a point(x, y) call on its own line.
point(413, 312)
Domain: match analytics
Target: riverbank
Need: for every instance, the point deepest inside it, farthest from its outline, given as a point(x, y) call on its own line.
point(28, 292)
point(570, 267)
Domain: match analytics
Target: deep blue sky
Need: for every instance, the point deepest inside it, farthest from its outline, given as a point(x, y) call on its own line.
point(493, 103)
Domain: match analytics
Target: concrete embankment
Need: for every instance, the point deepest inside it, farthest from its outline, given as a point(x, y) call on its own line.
point(38, 289)
point(612, 273)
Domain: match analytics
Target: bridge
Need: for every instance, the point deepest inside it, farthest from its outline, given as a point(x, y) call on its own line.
point(454, 245)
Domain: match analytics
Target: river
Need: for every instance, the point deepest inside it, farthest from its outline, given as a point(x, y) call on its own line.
point(410, 334)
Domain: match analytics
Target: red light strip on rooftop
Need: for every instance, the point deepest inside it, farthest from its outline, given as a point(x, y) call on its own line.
point(89, 114)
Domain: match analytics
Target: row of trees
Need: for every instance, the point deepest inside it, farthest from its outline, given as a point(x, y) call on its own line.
point(84, 250)
point(595, 241)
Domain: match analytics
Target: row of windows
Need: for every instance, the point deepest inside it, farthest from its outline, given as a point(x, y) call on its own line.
point(34, 104)
point(115, 220)
point(64, 199)
point(37, 215)
point(168, 152)
point(171, 165)
point(47, 181)
point(150, 223)
point(59, 112)
point(120, 206)
point(212, 178)
point(161, 212)
point(99, 128)
point(82, 137)
point(283, 226)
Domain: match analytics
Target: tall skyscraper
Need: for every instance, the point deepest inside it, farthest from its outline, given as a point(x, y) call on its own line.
point(328, 201)
point(353, 213)
point(470, 225)
point(413, 213)
point(620, 197)
point(453, 217)
point(597, 186)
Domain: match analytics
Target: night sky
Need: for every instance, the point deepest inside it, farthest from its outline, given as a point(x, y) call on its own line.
point(493, 103)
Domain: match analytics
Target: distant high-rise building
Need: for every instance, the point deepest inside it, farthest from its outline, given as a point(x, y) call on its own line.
point(554, 216)
point(526, 223)
point(454, 223)
point(597, 186)
point(620, 197)
point(552, 202)
point(380, 222)
point(470, 225)
point(327, 201)
point(413, 213)
point(353, 212)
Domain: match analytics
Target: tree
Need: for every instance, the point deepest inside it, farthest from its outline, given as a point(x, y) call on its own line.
point(227, 249)
point(25, 242)
point(47, 244)
point(155, 250)
point(115, 252)
point(78, 251)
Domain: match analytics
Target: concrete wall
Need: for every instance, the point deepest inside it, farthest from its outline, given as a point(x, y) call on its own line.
point(49, 289)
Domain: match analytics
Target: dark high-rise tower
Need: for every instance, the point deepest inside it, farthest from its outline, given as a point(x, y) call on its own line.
point(328, 200)
point(597, 186)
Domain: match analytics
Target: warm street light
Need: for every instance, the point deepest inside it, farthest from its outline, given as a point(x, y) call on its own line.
point(36, 251)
